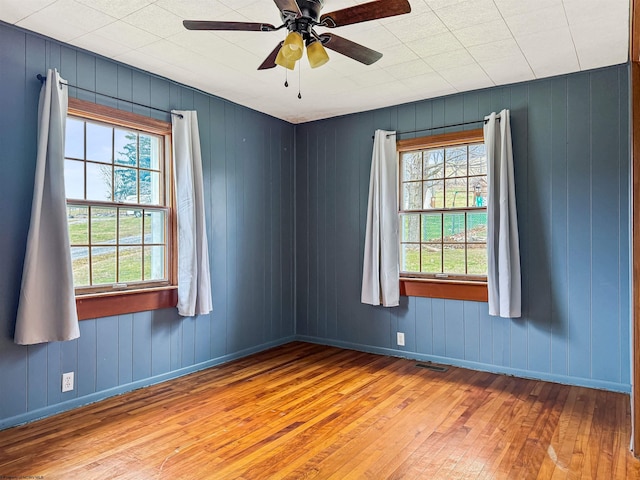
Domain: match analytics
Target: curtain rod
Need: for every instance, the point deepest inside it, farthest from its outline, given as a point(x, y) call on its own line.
point(443, 126)
point(179, 115)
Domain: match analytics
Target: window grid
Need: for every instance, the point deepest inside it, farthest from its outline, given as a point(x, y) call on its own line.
point(122, 209)
point(470, 207)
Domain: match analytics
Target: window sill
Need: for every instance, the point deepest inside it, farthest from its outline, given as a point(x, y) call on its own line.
point(449, 289)
point(98, 305)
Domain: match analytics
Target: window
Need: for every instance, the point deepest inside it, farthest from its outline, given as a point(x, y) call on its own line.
point(117, 175)
point(443, 215)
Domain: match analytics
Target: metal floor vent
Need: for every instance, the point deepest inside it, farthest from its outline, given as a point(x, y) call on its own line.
point(430, 366)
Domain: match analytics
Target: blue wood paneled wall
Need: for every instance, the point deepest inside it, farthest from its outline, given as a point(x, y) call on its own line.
point(248, 168)
point(571, 149)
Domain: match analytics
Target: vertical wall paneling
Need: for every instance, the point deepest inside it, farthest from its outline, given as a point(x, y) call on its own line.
point(571, 172)
point(244, 181)
point(559, 229)
point(579, 218)
point(107, 353)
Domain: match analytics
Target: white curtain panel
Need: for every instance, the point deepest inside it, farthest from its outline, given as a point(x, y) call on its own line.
point(381, 271)
point(194, 280)
point(503, 250)
point(47, 306)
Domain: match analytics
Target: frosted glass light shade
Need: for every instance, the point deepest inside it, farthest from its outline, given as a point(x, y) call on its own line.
point(293, 46)
point(317, 54)
point(284, 61)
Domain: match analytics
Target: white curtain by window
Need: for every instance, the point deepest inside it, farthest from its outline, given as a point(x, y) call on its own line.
point(503, 276)
point(47, 306)
point(381, 271)
point(194, 281)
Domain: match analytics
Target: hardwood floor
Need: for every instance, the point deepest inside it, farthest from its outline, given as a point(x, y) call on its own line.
point(309, 411)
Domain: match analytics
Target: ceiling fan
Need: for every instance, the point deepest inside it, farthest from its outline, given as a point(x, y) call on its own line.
point(300, 17)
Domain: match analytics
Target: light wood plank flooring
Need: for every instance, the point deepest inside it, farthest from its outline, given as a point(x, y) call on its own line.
point(305, 411)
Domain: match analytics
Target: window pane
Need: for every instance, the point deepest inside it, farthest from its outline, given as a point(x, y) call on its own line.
point(149, 187)
point(454, 258)
point(432, 227)
point(125, 147)
point(150, 152)
point(104, 265)
point(432, 258)
point(74, 179)
point(410, 257)
point(477, 227)
point(411, 166)
point(77, 219)
point(154, 226)
point(80, 265)
point(456, 193)
point(130, 229)
point(126, 185)
point(433, 164)
point(99, 143)
point(477, 191)
point(130, 264)
point(103, 225)
point(477, 159)
point(98, 182)
point(456, 162)
point(412, 196)
point(477, 259)
point(154, 263)
point(74, 139)
point(454, 229)
point(410, 228)
point(433, 194)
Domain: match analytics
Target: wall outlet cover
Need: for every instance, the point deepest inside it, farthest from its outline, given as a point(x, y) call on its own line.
point(67, 382)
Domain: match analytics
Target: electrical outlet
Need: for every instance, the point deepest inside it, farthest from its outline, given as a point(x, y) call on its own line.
point(67, 382)
point(400, 338)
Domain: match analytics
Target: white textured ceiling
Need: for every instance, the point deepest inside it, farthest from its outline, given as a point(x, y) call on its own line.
point(441, 47)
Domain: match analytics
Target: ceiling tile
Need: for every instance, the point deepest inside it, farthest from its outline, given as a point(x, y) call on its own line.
point(116, 8)
point(536, 48)
point(124, 34)
point(448, 60)
point(66, 20)
point(417, 26)
point(194, 9)
point(155, 20)
point(409, 69)
point(12, 11)
point(509, 8)
point(396, 54)
point(544, 19)
point(436, 44)
point(468, 13)
point(599, 44)
point(506, 70)
point(495, 50)
point(483, 33)
point(467, 77)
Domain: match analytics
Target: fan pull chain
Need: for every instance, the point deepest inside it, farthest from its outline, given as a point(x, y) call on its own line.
point(286, 80)
point(299, 74)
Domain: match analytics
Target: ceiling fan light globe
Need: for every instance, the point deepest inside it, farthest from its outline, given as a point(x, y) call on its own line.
point(317, 54)
point(284, 61)
point(293, 46)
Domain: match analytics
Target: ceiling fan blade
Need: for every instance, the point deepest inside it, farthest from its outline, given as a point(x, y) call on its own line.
point(288, 6)
point(213, 25)
point(351, 49)
point(270, 61)
point(365, 12)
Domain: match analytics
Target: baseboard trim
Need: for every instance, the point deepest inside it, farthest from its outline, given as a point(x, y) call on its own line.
point(547, 377)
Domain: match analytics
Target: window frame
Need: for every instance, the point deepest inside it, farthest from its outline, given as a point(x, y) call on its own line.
point(91, 304)
point(447, 288)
